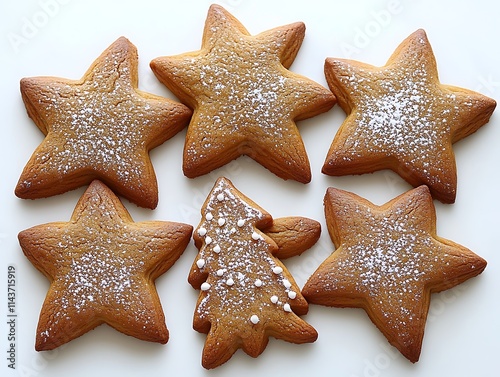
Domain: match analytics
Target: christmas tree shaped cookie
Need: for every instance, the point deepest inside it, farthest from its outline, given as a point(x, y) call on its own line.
point(247, 294)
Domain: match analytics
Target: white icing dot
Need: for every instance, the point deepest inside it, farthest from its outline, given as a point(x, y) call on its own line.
point(241, 222)
point(258, 283)
point(277, 270)
point(254, 319)
point(200, 263)
point(220, 272)
point(202, 232)
point(233, 230)
point(220, 197)
point(274, 299)
point(256, 236)
point(209, 216)
point(205, 286)
point(287, 308)
point(287, 284)
point(292, 295)
point(229, 281)
point(221, 221)
point(217, 249)
point(208, 240)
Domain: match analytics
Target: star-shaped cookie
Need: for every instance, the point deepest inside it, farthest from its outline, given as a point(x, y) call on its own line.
point(400, 117)
point(102, 266)
point(100, 127)
point(244, 98)
point(388, 260)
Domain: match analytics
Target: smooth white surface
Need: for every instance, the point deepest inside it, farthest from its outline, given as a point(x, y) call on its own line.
point(62, 38)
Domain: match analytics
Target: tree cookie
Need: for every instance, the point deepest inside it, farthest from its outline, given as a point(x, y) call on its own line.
point(400, 117)
point(247, 294)
point(102, 266)
point(388, 260)
point(100, 127)
point(244, 98)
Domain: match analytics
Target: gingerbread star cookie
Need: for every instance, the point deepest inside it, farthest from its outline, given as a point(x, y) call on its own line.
point(388, 260)
point(99, 127)
point(102, 266)
point(247, 294)
point(245, 100)
point(400, 117)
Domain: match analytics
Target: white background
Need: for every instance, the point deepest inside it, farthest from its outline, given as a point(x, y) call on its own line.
point(62, 38)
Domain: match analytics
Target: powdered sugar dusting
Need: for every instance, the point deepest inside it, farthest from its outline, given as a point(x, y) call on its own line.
point(410, 120)
point(243, 272)
point(389, 263)
point(96, 125)
point(96, 274)
point(243, 88)
point(388, 255)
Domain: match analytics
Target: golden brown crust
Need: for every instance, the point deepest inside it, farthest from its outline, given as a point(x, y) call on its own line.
point(247, 294)
point(293, 235)
point(388, 260)
point(244, 100)
point(102, 266)
point(400, 117)
point(99, 127)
